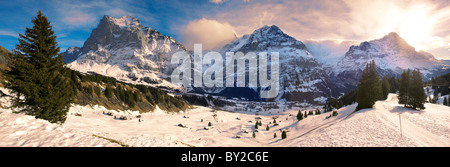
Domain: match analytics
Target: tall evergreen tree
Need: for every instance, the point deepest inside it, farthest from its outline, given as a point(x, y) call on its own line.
point(369, 88)
point(411, 92)
point(283, 135)
point(417, 96)
point(385, 87)
point(299, 115)
point(404, 88)
point(108, 92)
point(37, 75)
point(97, 90)
point(435, 96)
point(393, 83)
point(448, 101)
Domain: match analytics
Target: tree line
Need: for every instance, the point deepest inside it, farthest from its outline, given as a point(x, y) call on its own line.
point(410, 88)
point(389, 85)
point(371, 88)
point(440, 86)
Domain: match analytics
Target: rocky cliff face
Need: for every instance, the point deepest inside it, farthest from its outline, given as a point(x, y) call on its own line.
point(392, 54)
point(302, 77)
point(389, 52)
point(125, 49)
point(71, 54)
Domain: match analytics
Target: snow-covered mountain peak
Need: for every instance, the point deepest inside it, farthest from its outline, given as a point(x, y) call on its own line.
point(267, 39)
point(391, 53)
point(267, 30)
point(302, 77)
point(273, 36)
point(124, 21)
point(392, 36)
point(73, 49)
point(394, 42)
point(125, 49)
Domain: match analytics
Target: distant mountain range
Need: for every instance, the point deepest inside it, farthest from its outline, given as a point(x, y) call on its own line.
point(392, 54)
point(124, 49)
point(302, 77)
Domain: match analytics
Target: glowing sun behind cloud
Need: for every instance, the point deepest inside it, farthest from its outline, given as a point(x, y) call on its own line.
point(416, 22)
point(416, 27)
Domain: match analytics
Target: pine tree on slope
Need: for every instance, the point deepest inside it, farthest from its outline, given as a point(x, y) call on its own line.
point(435, 96)
point(417, 96)
point(108, 92)
point(411, 92)
point(37, 75)
point(369, 88)
point(385, 87)
point(403, 88)
point(299, 115)
point(283, 135)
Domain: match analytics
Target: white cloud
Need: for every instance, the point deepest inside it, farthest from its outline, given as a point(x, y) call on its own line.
point(78, 18)
point(117, 12)
point(222, 1)
point(9, 33)
point(211, 33)
point(85, 15)
point(329, 51)
point(217, 1)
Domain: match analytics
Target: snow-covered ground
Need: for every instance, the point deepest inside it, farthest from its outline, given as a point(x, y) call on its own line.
point(381, 127)
point(91, 126)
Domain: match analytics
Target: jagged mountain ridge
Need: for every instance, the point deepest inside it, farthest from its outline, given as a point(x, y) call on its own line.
point(125, 49)
point(302, 77)
point(71, 54)
point(391, 53)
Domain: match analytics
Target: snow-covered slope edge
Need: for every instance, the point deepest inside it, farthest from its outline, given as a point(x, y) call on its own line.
point(380, 127)
point(27, 131)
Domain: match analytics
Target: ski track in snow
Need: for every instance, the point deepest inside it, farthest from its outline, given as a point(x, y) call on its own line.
point(378, 127)
point(381, 127)
point(421, 126)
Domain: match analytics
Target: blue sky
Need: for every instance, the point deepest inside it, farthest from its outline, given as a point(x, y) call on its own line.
point(425, 24)
point(73, 21)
